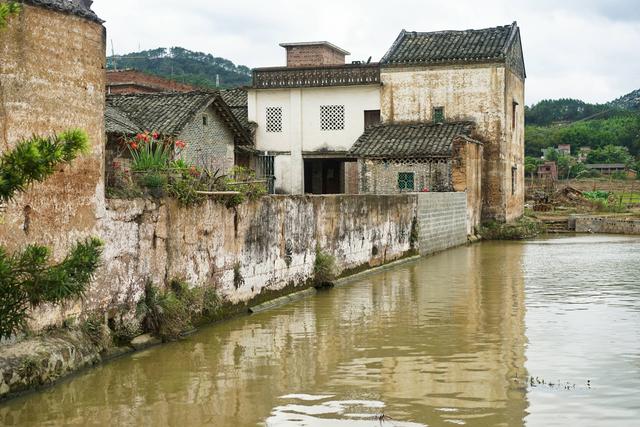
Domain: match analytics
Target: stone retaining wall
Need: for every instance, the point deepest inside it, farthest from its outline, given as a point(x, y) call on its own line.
point(604, 225)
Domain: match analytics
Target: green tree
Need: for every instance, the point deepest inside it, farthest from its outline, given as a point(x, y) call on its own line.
point(531, 165)
point(610, 154)
point(6, 10)
point(28, 279)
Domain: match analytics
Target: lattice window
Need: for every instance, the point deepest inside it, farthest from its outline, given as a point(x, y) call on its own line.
point(332, 117)
point(406, 181)
point(274, 119)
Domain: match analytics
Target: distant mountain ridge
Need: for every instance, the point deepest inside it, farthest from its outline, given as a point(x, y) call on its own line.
point(182, 65)
point(630, 101)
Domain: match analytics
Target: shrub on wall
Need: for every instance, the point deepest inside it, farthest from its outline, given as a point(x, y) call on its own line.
point(324, 268)
point(28, 279)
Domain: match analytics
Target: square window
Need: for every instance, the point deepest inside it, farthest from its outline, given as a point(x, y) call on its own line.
point(332, 117)
point(405, 181)
point(274, 119)
point(438, 115)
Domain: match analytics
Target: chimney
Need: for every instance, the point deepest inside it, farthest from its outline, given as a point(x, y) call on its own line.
point(314, 54)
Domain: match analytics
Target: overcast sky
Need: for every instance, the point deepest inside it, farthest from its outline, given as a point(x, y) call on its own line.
point(586, 49)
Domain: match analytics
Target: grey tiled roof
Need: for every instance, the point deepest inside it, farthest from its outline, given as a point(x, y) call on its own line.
point(73, 7)
point(116, 122)
point(451, 46)
point(237, 100)
point(396, 141)
point(167, 113)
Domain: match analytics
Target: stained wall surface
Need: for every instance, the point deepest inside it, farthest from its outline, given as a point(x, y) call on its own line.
point(52, 78)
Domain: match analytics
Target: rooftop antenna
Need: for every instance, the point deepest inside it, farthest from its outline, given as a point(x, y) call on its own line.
point(113, 56)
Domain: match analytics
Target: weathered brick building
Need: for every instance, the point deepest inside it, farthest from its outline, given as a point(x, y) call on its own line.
point(52, 78)
point(218, 136)
point(134, 81)
point(472, 75)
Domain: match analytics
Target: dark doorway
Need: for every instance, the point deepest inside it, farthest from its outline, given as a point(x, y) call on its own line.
point(324, 176)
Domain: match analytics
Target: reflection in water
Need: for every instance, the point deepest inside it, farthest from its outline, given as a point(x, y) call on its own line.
point(440, 342)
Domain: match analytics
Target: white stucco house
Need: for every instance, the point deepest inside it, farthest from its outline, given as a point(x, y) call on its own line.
point(308, 116)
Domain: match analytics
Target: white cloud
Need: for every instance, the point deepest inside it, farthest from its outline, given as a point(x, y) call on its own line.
point(583, 49)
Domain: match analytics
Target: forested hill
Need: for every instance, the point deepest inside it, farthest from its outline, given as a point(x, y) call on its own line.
point(571, 121)
point(176, 63)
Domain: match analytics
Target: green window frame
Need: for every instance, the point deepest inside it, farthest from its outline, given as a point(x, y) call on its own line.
point(406, 181)
point(438, 115)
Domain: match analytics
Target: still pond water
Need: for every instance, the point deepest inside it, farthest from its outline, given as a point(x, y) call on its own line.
point(543, 333)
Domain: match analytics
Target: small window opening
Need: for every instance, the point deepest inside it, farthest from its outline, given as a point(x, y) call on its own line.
point(438, 115)
point(514, 179)
point(514, 113)
point(406, 181)
point(205, 121)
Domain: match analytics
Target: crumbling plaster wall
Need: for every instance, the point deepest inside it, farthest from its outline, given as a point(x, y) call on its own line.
point(478, 93)
point(52, 78)
point(267, 245)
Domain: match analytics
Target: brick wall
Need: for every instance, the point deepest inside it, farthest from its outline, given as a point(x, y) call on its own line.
point(211, 145)
point(381, 177)
point(442, 221)
point(133, 81)
point(309, 56)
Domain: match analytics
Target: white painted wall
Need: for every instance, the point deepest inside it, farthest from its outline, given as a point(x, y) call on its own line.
point(301, 130)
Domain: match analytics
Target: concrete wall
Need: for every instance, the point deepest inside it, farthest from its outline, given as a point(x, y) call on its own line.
point(52, 78)
point(301, 130)
point(211, 145)
point(442, 221)
point(604, 225)
point(479, 93)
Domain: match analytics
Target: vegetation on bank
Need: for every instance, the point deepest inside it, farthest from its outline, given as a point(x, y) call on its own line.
point(28, 278)
point(524, 228)
point(324, 268)
point(182, 65)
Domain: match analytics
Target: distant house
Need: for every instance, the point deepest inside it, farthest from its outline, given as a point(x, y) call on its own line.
point(607, 168)
point(134, 81)
point(218, 136)
point(548, 171)
point(564, 149)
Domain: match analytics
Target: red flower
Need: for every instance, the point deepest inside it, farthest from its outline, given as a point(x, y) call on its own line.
point(155, 135)
point(140, 137)
point(116, 165)
point(134, 146)
point(180, 144)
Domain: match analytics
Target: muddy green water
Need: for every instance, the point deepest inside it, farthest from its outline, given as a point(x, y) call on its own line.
point(452, 339)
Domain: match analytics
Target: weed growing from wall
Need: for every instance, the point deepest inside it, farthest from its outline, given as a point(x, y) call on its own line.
point(324, 268)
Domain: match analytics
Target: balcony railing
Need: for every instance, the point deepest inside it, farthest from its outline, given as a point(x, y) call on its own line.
point(340, 75)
